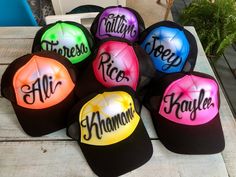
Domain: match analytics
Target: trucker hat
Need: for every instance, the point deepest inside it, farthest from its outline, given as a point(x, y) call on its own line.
point(40, 87)
point(70, 39)
point(171, 47)
point(185, 113)
point(116, 62)
point(110, 131)
point(118, 21)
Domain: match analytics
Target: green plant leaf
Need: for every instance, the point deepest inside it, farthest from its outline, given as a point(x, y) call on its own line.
point(215, 23)
point(209, 46)
point(228, 40)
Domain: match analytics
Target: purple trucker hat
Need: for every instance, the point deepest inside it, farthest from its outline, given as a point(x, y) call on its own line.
point(118, 21)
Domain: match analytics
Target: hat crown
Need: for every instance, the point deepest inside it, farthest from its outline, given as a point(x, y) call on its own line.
point(42, 82)
point(108, 118)
point(168, 48)
point(190, 100)
point(116, 64)
point(118, 22)
point(68, 40)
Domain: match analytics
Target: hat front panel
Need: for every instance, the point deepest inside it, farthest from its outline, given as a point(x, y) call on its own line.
point(67, 40)
point(108, 118)
point(41, 83)
point(116, 64)
point(190, 100)
point(118, 22)
point(168, 48)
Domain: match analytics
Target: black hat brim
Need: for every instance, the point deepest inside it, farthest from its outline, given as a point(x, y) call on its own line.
point(207, 138)
point(121, 157)
point(38, 122)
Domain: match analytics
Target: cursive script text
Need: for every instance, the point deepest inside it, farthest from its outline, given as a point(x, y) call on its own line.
point(167, 55)
point(201, 103)
point(108, 124)
point(43, 87)
point(110, 71)
point(77, 50)
point(117, 24)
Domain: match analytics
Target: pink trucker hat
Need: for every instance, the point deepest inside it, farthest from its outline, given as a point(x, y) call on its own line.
point(185, 112)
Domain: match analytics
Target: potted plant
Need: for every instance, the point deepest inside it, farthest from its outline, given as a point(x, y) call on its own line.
point(215, 23)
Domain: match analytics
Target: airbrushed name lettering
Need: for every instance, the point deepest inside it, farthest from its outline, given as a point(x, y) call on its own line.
point(117, 24)
point(167, 55)
point(109, 124)
point(43, 87)
point(174, 104)
point(77, 50)
point(110, 71)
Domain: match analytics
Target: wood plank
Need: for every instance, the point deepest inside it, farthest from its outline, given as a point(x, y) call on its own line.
point(229, 128)
point(199, 45)
point(10, 128)
point(6, 107)
point(65, 159)
point(229, 54)
point(226, 78)
point(18, 32)
point(2, 70)
point(10, 49)
point(228, 124)
point(227, 120)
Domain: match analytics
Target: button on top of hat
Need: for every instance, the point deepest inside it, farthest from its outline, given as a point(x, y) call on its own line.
point(42, 82)
point(191, 100)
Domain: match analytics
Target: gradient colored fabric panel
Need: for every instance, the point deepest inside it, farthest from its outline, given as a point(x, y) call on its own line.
point(118, 22)
point(67, 40)
point(116, 64)
point(108, 118)
point(168, 48)
point(191, 100)
point(41, 83)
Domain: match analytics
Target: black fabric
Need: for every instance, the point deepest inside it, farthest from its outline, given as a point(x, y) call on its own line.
point(192, 56)
point(86, 9)
point(38, 122)
point(147, 71)
point(203, 139)
point(122, 157)
point(207, 138)
point(118, 158)
point(193, 51)
point(145, 64)
point(87, 83)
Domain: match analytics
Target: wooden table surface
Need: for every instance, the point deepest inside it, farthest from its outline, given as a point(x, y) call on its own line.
point(57, 155)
